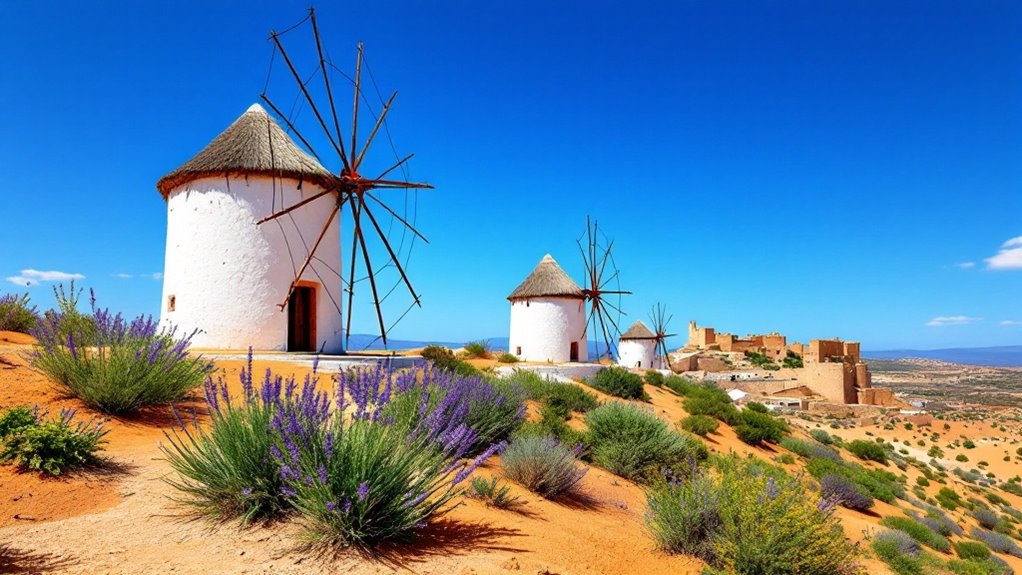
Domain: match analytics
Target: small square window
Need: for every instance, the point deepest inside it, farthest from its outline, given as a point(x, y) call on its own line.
point(518, 350)
point(171, 303)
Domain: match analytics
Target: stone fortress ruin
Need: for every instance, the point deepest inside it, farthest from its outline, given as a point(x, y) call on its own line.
point(767, 366)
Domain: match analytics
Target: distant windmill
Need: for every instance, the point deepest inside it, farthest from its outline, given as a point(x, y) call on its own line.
point(348, 190)
point(660, 320)
point(602, 289)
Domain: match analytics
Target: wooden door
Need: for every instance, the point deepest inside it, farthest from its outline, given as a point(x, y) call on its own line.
point(301, 319)
point(574, 351)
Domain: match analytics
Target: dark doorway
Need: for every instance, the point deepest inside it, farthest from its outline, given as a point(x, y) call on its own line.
point(574, 351)
point(301, 319)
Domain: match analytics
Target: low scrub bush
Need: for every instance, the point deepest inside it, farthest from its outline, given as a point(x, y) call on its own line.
point(949, 499)
point(899, 551)
point(879, 485)
point(701, 425)
point(680, 385)
point(632, 442)
point(358, 467)
point(986, 518)
point(17, 314)
point(972, 550)
point(821, 436)
point(809, 449)
point(844, 492)
point(868, 450)
point(538, 388)
point(551, 424)
point(113, 365)
point(756, 427)
point(53, 446)
point(747, 518)
point(619, 382)
point(478, 350)
point(507, 358)
point(996, 541)
point(492, 493)
point(919, 532)
point(542, 465)
point(654, 378)
point(990, 566)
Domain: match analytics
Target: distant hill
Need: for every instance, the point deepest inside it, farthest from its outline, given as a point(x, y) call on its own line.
point(1001, 356)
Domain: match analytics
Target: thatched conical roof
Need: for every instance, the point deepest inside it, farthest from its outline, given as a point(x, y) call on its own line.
point(547, 280)
point(638, 331)
point(253, 145)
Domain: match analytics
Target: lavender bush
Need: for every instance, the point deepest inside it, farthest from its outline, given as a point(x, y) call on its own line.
point(227, 470)
point(542, 465)
point(996, 541)
point(358, 465)
point(113, 365)
point(748, 518)
point(16, 314)
point(845, 492)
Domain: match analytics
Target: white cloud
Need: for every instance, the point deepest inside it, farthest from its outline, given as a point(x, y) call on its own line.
point(123, 276)
point(31, 277)
point(1009, 257)
point(941, 321)
point(965, 265)
point(1010, 322)
point(157, 276)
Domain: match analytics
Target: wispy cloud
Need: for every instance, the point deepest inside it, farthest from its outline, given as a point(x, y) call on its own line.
point(32, 277)
point(966, 265)
point(1010, 322)
point(157, 276)
point(123, 276)
point(941, 320)
point(1009, 257)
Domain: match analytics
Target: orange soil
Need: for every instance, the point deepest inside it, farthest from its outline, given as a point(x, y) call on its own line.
point(123, 520)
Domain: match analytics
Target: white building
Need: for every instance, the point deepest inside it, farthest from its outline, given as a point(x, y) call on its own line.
point(548, 316)
point(637, 348)
point(227, 276)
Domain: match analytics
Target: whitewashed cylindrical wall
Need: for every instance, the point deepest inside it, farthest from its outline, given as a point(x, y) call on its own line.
point(227, 276)
point(637, 353)
point(543, 329)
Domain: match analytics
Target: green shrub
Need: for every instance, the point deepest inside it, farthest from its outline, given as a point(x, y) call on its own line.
point(821, 436)
point(919, 532)
point(507, 358)
point(618, 382)
point(961, 457)
point(15, 419)
point(537, 388)
point(757, 407)
point(748, 519)
point(683, 513)
point(868, 451)
point(680, 385)
point(492, 493)
point(968, 444)
point(16, 314)
point(899, 551)
point(948, 499)
point(971, 550)
point(701, 425)
point(112, 365)
point(542, 465)
point(630, 441)
point(654, 378)
point(756, 427)
point(441, 357)
point(879, 486)
point(551, 424)
point(49, 445)
point(478, 350)
point(792, 360)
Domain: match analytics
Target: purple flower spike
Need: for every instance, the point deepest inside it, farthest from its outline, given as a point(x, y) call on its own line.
point(363, 491)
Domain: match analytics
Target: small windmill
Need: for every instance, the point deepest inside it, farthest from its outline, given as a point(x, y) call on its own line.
point(349, 189)
point(602, 289)
point(660, 321)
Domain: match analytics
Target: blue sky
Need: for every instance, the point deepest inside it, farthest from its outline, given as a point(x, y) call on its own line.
point(816, 168)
